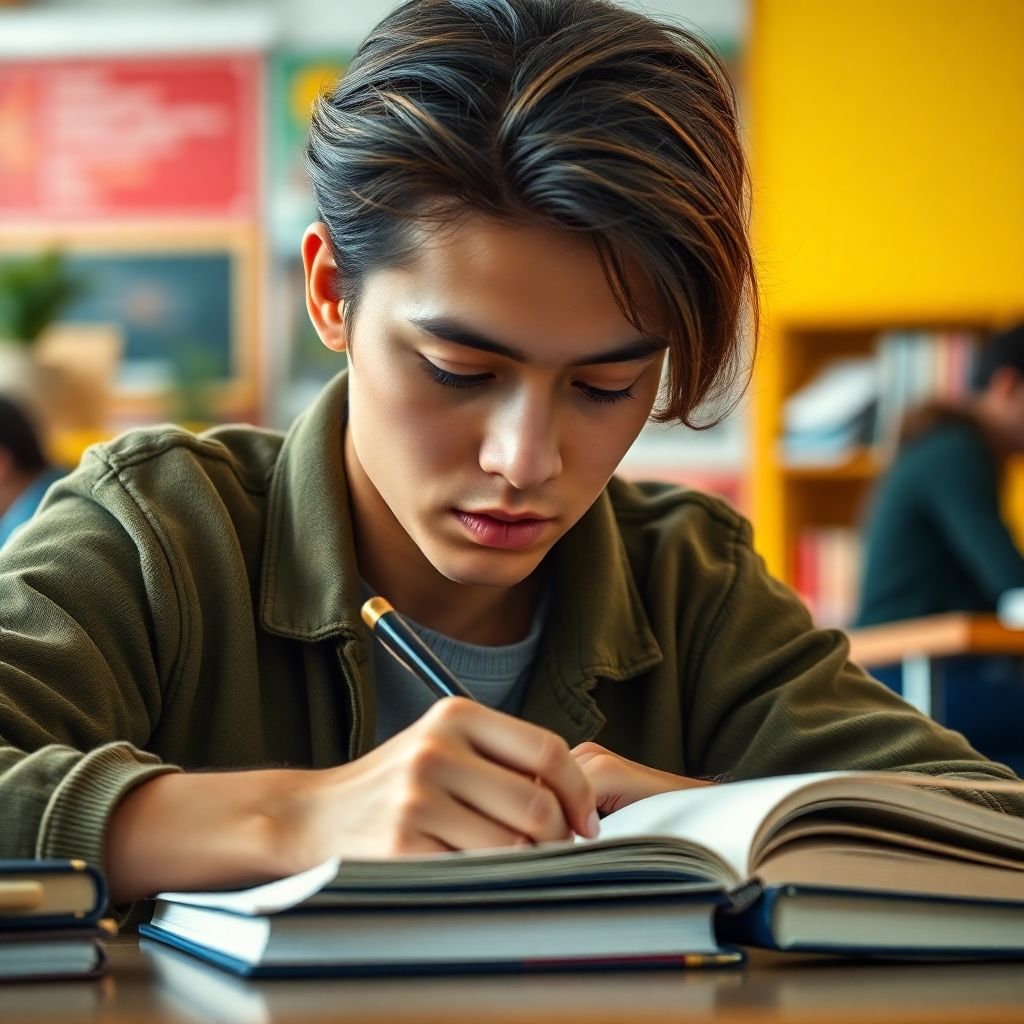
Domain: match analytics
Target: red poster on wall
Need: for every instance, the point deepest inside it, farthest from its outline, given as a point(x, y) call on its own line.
point(113, 139)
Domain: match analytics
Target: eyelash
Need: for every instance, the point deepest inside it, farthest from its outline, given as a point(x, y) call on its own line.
point(600, 396)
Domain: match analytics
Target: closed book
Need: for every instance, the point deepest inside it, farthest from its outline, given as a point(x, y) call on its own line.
point(672, 879)
point(50, 953)
point(666, 931)
point(804, 919)
point(36, 894)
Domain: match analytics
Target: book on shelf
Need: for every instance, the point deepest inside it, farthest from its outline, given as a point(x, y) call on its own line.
point(915, 367)
point(831, 414)
point(859, 401)
point(50, 919)
point(826, 573)
point(864, 863)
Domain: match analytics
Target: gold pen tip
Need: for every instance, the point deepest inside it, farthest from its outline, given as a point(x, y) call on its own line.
point(373, 609)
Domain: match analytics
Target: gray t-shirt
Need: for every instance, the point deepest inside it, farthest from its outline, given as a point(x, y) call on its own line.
point(495, 676)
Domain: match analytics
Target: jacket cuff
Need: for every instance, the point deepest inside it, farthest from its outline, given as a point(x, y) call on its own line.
point(74, 823)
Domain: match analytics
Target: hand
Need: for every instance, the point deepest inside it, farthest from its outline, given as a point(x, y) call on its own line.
point(462, 777)
point(618, 781)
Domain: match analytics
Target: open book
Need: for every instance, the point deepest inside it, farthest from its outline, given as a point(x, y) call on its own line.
point(836, 861)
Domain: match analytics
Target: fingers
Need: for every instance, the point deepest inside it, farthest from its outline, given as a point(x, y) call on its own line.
point(617, 781)
point(516, 805)
point(610, 776)
point(528, 750)
point(586, 752)
point(455, 826)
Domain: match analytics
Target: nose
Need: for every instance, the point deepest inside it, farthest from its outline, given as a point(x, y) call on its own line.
point(521, 442)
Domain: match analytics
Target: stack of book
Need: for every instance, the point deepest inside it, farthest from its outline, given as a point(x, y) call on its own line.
point(835, 862)
point(50, 919)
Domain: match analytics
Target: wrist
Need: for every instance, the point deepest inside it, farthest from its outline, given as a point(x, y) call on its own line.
point(290, 823)
point(208, 831)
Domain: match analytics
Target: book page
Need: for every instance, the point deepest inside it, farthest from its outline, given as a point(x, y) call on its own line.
point(669, 834)
point(726, 817)
point(263, 899)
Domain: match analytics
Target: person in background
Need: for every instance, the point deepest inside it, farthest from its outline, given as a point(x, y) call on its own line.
point(25, 473)
point(935, 540)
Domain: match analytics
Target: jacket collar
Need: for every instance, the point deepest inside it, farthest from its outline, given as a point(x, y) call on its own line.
point(597, 625)
point(310, 580)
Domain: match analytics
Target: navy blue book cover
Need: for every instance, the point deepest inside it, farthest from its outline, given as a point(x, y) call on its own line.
point(754, 926)
point(20, 878)
point(724, 958)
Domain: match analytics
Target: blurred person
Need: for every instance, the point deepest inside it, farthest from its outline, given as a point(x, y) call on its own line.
point(509, 275)
point(935, 540)
point(25, 473)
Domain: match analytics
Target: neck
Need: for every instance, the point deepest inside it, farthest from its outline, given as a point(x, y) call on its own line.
point(489, 616)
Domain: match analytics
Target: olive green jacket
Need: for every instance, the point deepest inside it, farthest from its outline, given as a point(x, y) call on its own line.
point(188, 602)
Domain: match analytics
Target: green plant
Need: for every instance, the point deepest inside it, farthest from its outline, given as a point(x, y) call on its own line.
point(195, 376)
point(34, 291)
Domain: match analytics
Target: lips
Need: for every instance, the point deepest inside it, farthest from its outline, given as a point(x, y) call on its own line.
point(506, 517)
point(496, 528)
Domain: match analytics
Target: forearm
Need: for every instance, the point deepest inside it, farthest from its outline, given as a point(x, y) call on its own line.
point(206, 831)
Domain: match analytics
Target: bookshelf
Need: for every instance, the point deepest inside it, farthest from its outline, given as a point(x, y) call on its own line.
point(886, 197)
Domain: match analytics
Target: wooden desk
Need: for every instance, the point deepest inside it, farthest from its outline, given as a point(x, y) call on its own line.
point(159, 986)
point(916, 644)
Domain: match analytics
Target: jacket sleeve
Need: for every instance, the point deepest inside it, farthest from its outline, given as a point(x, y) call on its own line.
point(88, 630)
point(774, 695)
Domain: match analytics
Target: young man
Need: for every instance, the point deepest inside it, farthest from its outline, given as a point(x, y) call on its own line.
point(528, 207)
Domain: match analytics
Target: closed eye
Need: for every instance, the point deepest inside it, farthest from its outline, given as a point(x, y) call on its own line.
point(602, 395)
point(454, 380)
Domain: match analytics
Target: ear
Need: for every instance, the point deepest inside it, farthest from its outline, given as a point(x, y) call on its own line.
point(322, 304)
point(7, 465)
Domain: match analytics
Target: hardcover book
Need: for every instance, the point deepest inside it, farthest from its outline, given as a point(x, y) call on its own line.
point(865, 863)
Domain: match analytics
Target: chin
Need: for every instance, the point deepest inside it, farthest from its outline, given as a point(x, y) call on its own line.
point(487, 568)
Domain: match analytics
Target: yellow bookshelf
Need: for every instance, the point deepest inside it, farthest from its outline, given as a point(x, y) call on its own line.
point(887, 164)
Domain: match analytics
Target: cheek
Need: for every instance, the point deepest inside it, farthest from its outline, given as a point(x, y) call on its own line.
point(594, 449)
point(404, 433)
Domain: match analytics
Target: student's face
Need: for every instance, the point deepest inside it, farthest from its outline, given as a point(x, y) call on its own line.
point(494, 387)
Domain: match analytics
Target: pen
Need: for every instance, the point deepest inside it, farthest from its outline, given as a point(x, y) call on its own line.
point(399, 640)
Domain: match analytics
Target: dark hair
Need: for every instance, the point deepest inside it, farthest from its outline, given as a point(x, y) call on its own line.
point(19, 437)
point(577, 114)
point(1001, 350)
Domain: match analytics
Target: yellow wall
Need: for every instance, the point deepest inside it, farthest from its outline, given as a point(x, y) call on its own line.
point(887, 143)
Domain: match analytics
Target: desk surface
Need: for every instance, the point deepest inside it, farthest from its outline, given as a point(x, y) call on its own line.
point(934, 636)
point(157, 986)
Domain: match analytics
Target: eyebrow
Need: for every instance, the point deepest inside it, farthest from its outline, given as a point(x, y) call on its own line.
point(459, 333)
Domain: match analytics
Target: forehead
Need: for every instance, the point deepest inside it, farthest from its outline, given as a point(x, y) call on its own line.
point(533, 287)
